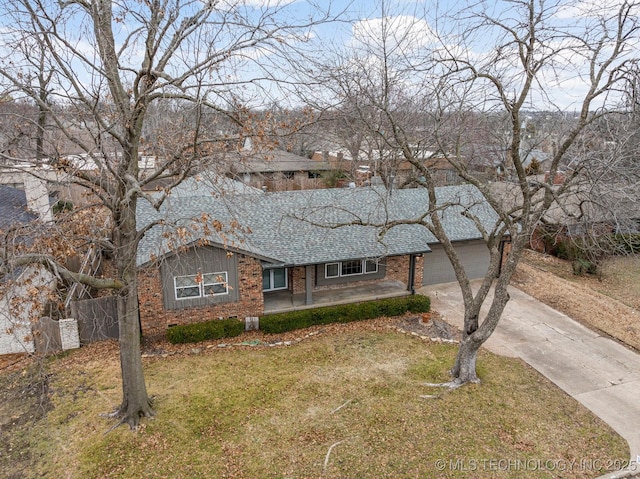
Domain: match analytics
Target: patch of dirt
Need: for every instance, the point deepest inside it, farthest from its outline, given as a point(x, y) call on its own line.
point(578, 300)
point(435, 328)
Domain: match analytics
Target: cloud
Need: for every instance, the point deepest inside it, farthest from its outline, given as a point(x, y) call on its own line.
point(402, 32)
point(588, 9)
point(258, 4)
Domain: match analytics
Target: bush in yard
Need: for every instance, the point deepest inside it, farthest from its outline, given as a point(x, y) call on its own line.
point(582, 266)
point(279, 323)
point(626, 243)
point(418, 304)
point(215, 329)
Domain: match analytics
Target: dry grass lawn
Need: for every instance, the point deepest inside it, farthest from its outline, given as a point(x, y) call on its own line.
point(609, 304)
point(343, 404)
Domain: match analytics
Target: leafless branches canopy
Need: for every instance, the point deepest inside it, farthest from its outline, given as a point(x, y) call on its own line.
point(122, 94)
point(483, 90)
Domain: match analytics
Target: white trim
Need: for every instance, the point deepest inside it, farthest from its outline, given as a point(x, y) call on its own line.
point(356, 263)
point(326, 266)
point(286, 279)
point(177, 288)
point(370, 261)
point(363, 265)
point(201, 285)
point(217, 282)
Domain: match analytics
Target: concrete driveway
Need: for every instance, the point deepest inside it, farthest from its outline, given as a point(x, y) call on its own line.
point(597, 371)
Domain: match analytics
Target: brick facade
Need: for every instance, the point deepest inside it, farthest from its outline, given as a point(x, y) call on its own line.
point(397, 269)
point(155, 318)
point(297, 277)
point(417, 281)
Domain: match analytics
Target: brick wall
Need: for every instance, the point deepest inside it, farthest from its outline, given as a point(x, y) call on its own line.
point(297, 279)
point(397, 269)
point(155, 318)
point(417, 281)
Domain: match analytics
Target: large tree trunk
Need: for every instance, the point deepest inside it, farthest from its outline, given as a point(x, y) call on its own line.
point(464, 369)
point(474, 334)
point(135, 400)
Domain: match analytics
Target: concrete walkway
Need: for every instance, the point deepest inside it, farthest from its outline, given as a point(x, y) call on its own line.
point(600, 373)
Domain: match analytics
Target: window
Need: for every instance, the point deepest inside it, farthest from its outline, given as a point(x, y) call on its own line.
point(214, 283)
point(350, 268)
point(314, 175)
point(187, 287)
point(201, 285)
point(332, 270)
point(273, 279)
point(289, 174)
point(371, 266)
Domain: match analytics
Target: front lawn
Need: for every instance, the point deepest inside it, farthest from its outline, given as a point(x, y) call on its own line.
point(347, 405)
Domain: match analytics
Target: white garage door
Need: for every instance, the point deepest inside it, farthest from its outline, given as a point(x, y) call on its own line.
point(438, 269)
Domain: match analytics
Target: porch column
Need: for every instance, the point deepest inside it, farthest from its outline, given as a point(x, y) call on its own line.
point(412, 274)
point(308, 284)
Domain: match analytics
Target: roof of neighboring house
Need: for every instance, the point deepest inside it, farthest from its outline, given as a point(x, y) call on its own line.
point(211, 184)
point(613, 203)
point(301, 227)
point(85, 161)
point(273, 161)
point(13, 207)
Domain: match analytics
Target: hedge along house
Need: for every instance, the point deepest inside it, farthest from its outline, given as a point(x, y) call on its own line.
point(267, 252)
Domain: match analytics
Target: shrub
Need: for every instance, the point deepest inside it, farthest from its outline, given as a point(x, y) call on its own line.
point(626, 243)
point(565, 250)
point(61, 206)
point(419, 304)
point(215, 329)
point(583, 266)
point(281, 322)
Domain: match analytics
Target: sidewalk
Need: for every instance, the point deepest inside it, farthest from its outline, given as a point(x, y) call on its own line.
point(598, 372)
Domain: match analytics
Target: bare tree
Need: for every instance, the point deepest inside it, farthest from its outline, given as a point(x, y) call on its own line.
point(469, 90)
point(111, 64)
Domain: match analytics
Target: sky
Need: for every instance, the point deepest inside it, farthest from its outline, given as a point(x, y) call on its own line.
point(446, 25)
point(413, 30)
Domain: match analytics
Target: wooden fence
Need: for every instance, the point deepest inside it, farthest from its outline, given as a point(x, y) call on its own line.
point(97, 319)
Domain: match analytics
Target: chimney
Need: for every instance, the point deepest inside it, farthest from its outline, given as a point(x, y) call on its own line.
point(37, 195)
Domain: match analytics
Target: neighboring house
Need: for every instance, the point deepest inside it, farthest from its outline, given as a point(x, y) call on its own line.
point(368, 166)
point(257, 248)
point(276, 170)
point(584, 210)
point(14, 208)
point(27, 289)
point(42, 182)
point(213, 185)
point(26, 204)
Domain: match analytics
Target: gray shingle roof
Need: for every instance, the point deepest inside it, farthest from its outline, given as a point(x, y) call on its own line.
point(13, 208)
point(212, 184)
point(298, 227)
point(273, 161)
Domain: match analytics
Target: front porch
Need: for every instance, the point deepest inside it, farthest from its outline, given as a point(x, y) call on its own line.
point(282, 301)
